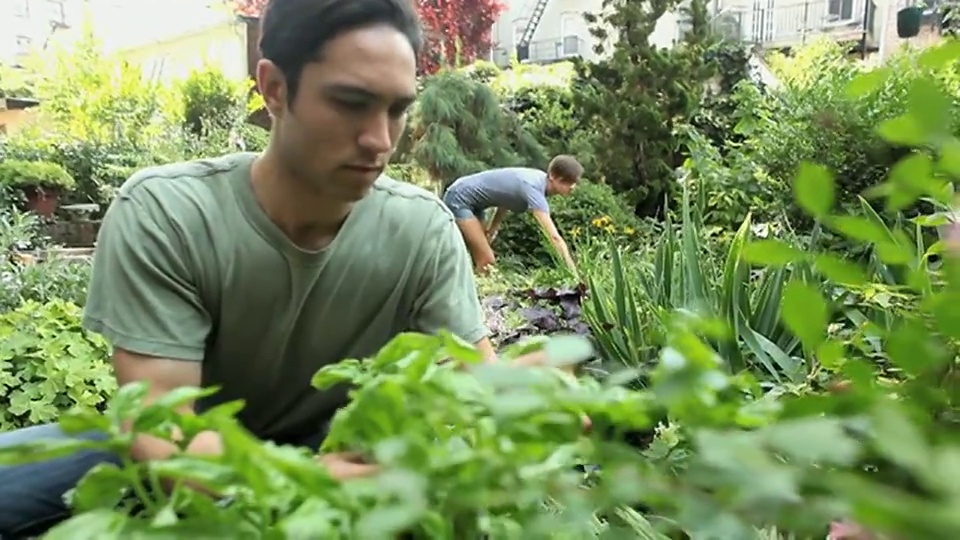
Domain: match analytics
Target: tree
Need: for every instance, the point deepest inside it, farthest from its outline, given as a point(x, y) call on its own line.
point(458, 127)
point(455, 31)
point(638, 92)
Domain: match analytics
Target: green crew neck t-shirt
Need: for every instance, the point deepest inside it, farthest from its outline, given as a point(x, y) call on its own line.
point(189, 267)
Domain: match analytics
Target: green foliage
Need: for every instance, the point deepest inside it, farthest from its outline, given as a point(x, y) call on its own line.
point(19, 173)
point(634, 104)
point(458, 127)
point(542, 98)
point(102, 119)
point(813, 118)
point(211, 101)
point(49, 365)
point(520, 241)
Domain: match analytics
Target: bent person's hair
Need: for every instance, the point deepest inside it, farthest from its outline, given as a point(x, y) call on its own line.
point(566, 168)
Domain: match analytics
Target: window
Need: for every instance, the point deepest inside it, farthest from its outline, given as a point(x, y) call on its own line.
point(23, 45)
point(21, 9)
point(58, 14)
point(841, 10)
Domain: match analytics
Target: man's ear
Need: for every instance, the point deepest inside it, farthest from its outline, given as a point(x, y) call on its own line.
point(272, 85)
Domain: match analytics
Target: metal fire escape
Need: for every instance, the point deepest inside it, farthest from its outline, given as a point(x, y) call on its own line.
point(523, 44)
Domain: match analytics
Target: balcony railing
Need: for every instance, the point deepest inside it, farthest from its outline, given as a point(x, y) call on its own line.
point(543, 51)
point(794, 22)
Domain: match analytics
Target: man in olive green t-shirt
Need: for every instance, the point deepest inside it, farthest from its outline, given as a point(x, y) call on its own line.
point(251, 272)
point(189, 266)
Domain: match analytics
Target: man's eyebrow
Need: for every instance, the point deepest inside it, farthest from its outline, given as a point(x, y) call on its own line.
point(349, 90)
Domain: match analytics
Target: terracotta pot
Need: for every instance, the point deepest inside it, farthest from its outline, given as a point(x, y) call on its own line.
point(42, 200)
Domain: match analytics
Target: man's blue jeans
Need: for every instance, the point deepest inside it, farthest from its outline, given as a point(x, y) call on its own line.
point(31, 495)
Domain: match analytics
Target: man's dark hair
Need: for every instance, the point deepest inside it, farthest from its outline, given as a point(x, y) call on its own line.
point(566, 168)
point(292, 32)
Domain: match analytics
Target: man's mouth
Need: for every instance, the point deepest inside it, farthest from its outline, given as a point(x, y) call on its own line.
point(365, 168)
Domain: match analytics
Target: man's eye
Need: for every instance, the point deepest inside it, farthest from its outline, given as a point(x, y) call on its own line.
point(398, 111)
point(356, 106)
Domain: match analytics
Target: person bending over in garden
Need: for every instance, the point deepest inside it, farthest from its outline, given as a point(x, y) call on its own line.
point(251, 272)
point(514, 189)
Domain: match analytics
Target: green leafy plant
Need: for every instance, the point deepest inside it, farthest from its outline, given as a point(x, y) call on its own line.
point(19, 173)
point(49, 365)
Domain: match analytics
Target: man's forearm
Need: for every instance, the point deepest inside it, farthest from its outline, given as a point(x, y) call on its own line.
point(495, 222)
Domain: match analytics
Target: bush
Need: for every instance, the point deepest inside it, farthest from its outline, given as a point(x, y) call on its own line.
point(18, 173)
point(520, 240)
point(49, 365)
point(812, 117)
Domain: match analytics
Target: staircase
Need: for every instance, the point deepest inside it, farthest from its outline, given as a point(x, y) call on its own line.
point(523, 45)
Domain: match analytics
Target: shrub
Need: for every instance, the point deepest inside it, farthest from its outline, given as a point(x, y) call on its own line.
point(19, 173)
point(49, 364)
point(592, 209)
point(211, 100)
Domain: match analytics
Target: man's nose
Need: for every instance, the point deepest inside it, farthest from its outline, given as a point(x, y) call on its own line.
point(376, 136)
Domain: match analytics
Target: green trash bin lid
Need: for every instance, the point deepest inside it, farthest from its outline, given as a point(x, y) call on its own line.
point(908, 21)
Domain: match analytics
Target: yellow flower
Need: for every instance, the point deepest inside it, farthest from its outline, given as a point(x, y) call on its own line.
point(575, 232)
point(610, 229)
point(628, 230)
point(601, 221)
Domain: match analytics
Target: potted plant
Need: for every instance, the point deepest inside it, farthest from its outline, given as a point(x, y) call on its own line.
point(41, 183)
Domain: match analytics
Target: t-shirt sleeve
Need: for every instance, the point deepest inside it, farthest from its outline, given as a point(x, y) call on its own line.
point(447, 298)
point(143, 295)
point(536, 200)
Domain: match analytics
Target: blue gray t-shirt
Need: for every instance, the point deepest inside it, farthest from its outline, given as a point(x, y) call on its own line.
point(517, 189)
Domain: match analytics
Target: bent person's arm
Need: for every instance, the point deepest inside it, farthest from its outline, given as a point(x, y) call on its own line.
point(550, 229)
point(144, 300)
point(495, 223)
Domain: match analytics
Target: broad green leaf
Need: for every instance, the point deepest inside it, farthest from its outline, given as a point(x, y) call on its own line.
point(929, 106)
point(805, 312)
point(898, 439)
point(911, 349)
point(867, 82)
point(814, 189)
point(100, 523)
point(813, 440)
point(950, 157)
point(568, 350)
point(911, 178)
point(940, 55)
point(770, 252)
point(830, 354)
point(904, 130)
point(839, 270)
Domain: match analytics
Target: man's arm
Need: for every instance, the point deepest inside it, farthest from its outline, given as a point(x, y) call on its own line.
point(546, 222)
point(447, 297)
point(494, 226)
point(143, 299)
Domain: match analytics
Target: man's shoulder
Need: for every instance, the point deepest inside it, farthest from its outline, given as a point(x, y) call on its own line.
point(408, 203)
point(174, 181)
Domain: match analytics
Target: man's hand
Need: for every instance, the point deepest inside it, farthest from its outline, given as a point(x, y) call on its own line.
point(346, 465)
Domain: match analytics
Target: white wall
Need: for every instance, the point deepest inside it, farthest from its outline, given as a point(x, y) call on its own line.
point(562, 18)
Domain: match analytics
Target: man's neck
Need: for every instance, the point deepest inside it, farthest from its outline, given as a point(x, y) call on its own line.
point(308, 218)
